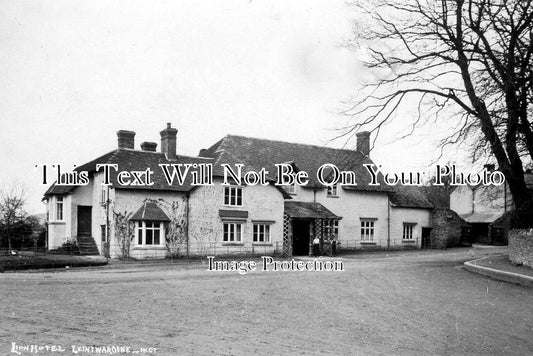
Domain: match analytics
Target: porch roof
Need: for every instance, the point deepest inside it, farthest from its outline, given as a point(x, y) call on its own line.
point(300, 209)
point(481, 217)
point(151, 212)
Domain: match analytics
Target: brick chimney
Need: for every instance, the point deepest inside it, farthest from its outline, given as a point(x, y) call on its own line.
point(126, 139)
point(149, 146)
point(363, 142)
point(168, 142)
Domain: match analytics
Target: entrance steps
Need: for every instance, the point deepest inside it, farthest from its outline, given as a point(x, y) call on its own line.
point(87, 246)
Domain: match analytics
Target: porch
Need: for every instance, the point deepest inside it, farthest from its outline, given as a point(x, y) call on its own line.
point(302, 222)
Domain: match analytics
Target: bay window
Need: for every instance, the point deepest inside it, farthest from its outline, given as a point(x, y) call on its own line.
point(150, 233)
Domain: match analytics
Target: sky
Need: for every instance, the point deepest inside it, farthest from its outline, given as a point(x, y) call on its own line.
point(73, 73)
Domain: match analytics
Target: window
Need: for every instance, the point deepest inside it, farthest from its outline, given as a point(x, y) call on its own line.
point(59, 208)
point(232, 232)
point(149, 233)
point(261, 233)
point(233, 196)
point(103, 233)
point(367, 230)
point(408, 231)
point(103, 196)
point(332, 190)
point(291, 189)
point(332, 227)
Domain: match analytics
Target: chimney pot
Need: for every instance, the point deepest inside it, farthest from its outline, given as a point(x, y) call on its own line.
point(168, 142)
point(126, 139)
point(149, 146)
point(363, 142)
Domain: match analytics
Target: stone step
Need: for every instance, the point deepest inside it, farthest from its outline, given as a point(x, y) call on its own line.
point(87, 245)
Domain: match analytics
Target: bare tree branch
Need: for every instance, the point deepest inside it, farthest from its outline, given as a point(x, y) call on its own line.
point(467, 61)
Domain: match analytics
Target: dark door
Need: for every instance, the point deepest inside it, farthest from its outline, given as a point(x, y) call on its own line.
point(466, 235)
point(300, 237)
point(426, 237)
point(480, 233)
point(84, 220)
point(497, 235)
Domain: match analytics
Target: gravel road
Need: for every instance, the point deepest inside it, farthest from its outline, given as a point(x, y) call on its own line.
point(409, 303)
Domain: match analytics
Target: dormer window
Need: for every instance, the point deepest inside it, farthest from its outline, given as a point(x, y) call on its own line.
point(233, 196)
point(332, 190)
point(291, 189)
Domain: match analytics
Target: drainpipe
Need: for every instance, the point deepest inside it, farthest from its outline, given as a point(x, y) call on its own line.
point(107, 243)
point(46, 226)
point(473, 200)
point(187, 224)
point(388, 222)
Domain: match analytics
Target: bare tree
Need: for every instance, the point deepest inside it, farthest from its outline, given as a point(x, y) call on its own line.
point(12, 202)
point(466, 62)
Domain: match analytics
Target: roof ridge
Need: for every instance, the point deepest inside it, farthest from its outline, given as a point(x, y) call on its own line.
point(293, 143)
point(109, 154)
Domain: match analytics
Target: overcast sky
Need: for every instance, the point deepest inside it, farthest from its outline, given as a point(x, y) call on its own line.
point(72, 73)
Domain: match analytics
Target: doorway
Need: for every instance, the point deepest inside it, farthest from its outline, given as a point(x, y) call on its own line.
point(84, 220)
point(426, 237)
point(480, 233)
point(300, 237)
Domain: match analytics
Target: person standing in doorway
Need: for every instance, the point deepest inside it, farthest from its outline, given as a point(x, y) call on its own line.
point(334, 246)
point(316, 246)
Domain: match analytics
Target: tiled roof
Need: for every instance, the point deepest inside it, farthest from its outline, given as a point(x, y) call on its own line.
point(256, 153)
point(481, 217)
point(151, 212)
point(528, 179)
point(409, 197)
point(299, 209)
point(132, 160)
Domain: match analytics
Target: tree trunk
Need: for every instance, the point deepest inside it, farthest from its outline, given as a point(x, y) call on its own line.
point(9, 240)
point(509, 162)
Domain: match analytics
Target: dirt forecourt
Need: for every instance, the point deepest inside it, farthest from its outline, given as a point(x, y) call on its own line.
point(416, 303)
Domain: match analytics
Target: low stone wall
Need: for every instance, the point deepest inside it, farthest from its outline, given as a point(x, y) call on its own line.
point(521, 247)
